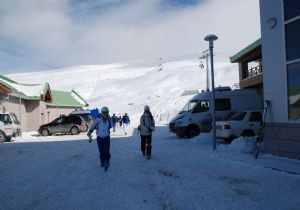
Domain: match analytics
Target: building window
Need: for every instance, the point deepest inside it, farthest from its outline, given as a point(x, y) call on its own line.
point(292, 37)
point(291, 9)
point(294, 90)
point(292, 42)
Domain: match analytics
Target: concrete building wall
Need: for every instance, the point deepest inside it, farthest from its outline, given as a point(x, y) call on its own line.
point(33, 112)
point(273, 54)
point(281, 133)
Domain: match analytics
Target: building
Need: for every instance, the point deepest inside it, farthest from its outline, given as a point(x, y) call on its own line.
point(36, 104)
point(250, 66)
point(280, 30)
point(63, 102)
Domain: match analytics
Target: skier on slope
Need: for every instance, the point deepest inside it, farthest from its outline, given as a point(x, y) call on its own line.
point(125, 122)
point(146, 127)
point(103, 125)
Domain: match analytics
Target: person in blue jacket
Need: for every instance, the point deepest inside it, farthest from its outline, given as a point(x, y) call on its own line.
point(103, 125)
point(125, 122)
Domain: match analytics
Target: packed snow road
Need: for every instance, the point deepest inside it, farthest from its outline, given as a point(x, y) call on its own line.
point(63, 172)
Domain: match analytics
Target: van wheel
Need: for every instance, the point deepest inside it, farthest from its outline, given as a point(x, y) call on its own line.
point(45, 132)
point(74, 130)
point(193, 131)
point(179, 135)
point(2, 137)
point(247, 133)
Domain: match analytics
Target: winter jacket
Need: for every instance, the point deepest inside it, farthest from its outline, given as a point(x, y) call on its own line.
point(114, 119)
point(125, 119)
point(102, 125)
point(147, 124)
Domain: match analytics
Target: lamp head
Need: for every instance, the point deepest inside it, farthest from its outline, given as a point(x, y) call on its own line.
point(211, 37)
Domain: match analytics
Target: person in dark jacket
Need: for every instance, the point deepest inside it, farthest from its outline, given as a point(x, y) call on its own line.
point(147, 126)
point(103, 125)
point(114, 120)
point(125, 122)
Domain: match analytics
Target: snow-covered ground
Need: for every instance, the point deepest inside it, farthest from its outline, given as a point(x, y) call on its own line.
point(63, 172)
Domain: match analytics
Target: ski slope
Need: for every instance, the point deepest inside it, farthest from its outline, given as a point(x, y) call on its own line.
point(127, 87)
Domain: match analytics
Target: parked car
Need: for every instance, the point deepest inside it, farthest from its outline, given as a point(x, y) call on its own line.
point(196, 116)
point(9, 126)
point(246, 123)
point(64, 124)
point(86, 115)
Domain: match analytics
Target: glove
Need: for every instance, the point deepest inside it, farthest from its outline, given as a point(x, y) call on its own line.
point(89, 134)
point(150, 129)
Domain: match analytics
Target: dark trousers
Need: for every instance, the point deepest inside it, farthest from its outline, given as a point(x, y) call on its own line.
point(146, 146)
point(103, 147)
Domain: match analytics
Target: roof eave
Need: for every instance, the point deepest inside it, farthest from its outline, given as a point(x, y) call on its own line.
point(235, 58)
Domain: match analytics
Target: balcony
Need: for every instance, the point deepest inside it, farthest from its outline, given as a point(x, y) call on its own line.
point(253, 71)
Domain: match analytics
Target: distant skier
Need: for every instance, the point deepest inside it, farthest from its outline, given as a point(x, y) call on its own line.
point(103, 125)
point(114, 120)
point(147, 126)
point(125, 122)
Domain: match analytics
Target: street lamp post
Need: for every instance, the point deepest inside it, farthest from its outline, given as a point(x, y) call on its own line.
point(211, 38)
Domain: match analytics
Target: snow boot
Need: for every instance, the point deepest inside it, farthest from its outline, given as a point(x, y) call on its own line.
point(106, 166)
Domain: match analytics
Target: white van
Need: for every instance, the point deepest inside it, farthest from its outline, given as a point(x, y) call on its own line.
point(196, 116)
point(9, 126)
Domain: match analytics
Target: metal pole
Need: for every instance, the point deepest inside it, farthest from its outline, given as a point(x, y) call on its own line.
point(20, 114)
point(211, 38)
point(213, 97)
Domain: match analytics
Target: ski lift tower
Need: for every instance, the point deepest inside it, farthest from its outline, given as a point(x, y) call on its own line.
point(211, 38)
point(205, 56)
point(160, 67)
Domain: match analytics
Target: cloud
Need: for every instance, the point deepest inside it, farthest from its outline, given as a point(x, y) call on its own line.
point(64, 33)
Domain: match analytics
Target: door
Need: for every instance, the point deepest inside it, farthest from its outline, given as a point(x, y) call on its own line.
point(201, 115)
point(56, 125)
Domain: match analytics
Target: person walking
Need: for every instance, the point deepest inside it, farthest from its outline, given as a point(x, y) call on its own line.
point(147, 126)
point(103, 125)
point(114, 120)
point(125, 122)
point(120, 120)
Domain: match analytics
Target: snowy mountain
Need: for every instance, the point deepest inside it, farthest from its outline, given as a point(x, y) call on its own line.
point(127, 87)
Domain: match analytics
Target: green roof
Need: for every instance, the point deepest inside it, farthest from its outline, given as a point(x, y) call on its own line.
point(246, 50)
point(67, 99)
point(25, 91)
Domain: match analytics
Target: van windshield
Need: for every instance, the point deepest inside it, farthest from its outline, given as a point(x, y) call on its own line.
point(189, 106)
point(15, 119)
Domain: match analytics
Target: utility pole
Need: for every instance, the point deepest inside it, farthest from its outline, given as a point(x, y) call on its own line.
point(205, 55)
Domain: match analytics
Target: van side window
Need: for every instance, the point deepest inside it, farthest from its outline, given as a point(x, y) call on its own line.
point(222, 104)
point(255, 117)
point(202, 106)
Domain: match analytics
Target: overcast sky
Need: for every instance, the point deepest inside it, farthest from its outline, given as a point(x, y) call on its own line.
point(47, 34)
